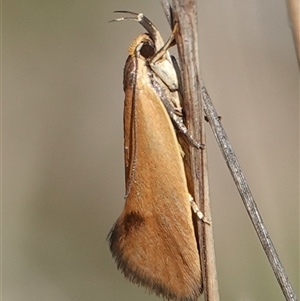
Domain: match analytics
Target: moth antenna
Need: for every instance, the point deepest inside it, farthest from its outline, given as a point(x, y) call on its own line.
point(145, 22)
point(126, 12)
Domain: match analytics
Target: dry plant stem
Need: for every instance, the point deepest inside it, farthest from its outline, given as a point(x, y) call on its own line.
point(246, 195)
point(184, 11)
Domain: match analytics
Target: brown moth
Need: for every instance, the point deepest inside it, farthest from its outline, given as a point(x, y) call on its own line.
point(153, 241)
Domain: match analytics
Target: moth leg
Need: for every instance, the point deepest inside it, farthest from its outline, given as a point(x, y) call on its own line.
point(162, 52)
point(175, 112)
point(183, 129)
point(161, 62)
point(178, 111)
point(197, 211)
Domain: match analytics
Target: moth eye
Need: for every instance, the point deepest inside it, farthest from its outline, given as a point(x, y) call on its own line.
point(147, 50)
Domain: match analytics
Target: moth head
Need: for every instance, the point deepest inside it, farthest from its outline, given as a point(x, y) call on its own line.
point(142, 46)
point(152, 48)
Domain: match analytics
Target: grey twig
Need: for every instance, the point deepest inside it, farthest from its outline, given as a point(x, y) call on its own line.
point(246, 195)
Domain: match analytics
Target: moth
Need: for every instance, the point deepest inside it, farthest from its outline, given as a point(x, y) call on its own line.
point(153, 241)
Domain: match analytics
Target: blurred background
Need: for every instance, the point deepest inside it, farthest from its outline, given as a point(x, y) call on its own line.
point(63, 173)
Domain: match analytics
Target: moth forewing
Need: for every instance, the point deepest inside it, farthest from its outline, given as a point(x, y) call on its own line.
point(153, 240)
